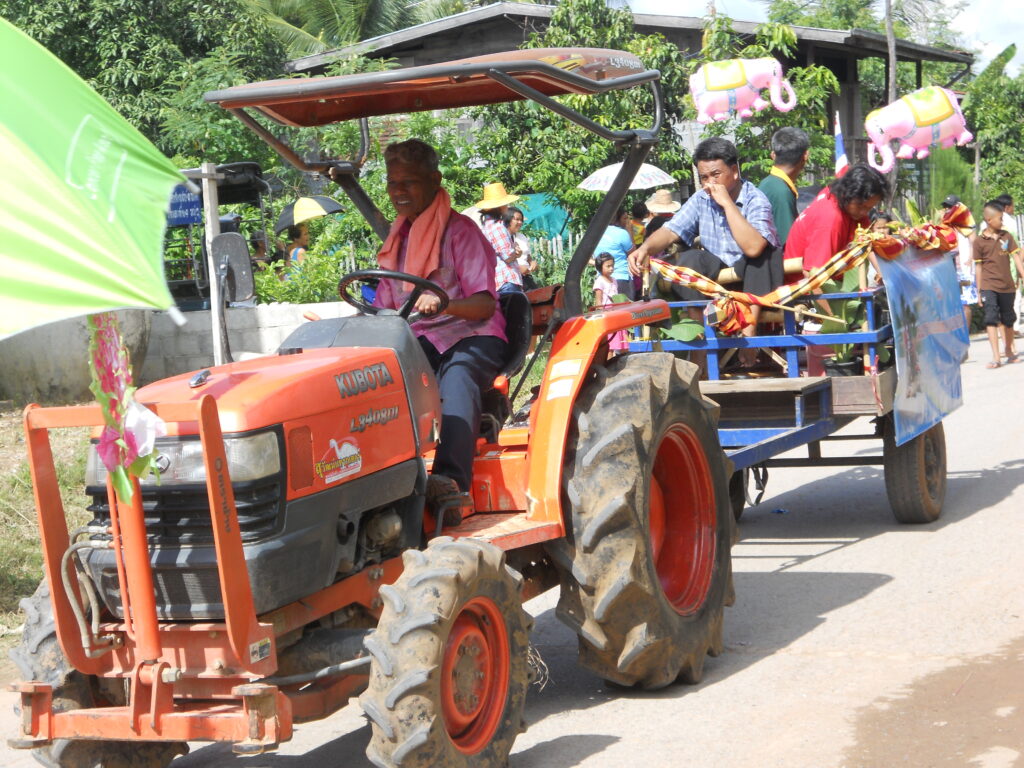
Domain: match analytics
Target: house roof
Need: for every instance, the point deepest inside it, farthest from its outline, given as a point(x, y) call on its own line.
point(860, 43)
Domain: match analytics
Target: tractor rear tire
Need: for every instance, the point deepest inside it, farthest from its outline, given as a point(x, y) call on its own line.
point(738, 483)
point(39, 657)
point(915, 474)
point(645, 567)
point(449, 668)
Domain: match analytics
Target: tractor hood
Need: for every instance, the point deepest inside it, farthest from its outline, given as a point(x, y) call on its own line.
point(285, 388)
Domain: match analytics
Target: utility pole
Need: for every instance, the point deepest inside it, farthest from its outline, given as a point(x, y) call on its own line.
point(890, 39)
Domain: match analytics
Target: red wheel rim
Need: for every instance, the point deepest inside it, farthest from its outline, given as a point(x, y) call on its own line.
point(475, 675)
point(682, 515)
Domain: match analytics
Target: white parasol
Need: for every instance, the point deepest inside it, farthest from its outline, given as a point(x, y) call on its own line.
point(648, 176)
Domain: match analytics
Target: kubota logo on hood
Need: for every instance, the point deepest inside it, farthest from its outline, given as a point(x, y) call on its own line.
point(359, 380)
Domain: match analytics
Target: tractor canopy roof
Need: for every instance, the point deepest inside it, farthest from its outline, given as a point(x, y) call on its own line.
point(464, 83)
point(536, 74)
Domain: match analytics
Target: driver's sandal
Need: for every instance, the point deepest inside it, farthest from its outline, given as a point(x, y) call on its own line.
point(446, 502)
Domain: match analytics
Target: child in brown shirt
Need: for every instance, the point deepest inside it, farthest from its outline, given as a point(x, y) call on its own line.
point(993, 250)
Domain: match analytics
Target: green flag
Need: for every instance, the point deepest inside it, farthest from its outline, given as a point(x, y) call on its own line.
point(83, 196)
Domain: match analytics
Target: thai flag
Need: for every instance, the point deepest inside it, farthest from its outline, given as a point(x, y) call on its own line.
point(842, 163)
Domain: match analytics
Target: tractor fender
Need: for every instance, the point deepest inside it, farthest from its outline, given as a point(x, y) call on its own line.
point(578, 345)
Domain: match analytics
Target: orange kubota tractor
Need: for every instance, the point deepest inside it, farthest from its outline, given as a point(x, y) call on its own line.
point(286, 561)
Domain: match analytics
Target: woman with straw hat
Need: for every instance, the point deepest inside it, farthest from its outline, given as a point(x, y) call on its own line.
point(506, 270)
point(662, 207)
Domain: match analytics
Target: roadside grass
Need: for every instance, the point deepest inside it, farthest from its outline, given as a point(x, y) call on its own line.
point(21, 557)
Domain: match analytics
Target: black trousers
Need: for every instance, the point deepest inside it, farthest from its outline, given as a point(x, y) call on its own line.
point(760, 275)
point(464, 372)
point(998, 308)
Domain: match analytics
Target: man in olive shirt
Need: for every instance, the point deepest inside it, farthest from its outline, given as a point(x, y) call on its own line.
point(789, 154)
point(993, 249)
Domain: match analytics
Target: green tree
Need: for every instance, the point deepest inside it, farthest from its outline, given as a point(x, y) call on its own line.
point(825, 14)
point(313, 26)
point(992, 110)
point(129, 49)
point(531, 149)
point(196, 131)
point(922, 21)
point(951, 174)
point(812, 84)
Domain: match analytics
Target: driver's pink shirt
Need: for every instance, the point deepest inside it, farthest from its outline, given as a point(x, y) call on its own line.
point(466, 267)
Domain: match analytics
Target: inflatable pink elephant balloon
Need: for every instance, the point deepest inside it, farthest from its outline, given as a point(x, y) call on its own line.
point(721, 87)
point(927, 116)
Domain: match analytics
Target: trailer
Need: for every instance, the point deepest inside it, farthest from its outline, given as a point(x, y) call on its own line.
point(763, 418)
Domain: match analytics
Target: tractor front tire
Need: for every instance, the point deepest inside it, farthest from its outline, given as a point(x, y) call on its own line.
point(915, 474)
point(39, 657)
point(449, 668)
point(645, 567)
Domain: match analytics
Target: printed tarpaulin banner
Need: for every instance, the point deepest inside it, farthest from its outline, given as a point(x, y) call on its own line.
point(930, 338)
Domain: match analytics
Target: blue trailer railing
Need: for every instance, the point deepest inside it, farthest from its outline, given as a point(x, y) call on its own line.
point(802, 412)
point(791, 341)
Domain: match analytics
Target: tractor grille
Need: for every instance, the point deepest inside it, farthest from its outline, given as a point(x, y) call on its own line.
point(180, 516)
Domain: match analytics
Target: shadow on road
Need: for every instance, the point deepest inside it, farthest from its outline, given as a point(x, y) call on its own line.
point(562, 751)
point(852, 504)
point(348, 749)
point(754, 629)
point(774, 608)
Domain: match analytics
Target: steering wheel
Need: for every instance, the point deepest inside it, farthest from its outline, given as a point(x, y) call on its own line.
point(420, 285)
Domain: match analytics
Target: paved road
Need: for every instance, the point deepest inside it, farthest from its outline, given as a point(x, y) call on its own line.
point(853, 641)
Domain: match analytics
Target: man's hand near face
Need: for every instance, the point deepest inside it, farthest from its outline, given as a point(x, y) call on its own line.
point(719, 193)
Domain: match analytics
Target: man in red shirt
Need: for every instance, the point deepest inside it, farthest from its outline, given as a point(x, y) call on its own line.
point(829, 223)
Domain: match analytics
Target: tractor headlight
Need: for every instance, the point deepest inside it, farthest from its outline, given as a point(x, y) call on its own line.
point(180, 462)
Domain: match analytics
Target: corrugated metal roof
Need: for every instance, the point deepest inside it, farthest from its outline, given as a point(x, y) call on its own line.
point(861, 43)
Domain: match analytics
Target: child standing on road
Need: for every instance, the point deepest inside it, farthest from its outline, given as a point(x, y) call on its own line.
point(605, 289)
point(993, 249)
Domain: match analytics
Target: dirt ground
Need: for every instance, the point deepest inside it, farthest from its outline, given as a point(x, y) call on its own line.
point(968, 715)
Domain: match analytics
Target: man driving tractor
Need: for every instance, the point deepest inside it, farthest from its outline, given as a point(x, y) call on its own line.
point(465, 342)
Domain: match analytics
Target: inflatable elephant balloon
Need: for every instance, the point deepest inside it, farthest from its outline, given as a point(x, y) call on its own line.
point(722, 87)
point(927, 116)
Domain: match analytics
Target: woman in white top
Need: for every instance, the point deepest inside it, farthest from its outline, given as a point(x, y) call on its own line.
point(514, 220)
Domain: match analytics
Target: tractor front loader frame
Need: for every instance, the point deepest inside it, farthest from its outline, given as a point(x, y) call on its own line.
point(186, 681)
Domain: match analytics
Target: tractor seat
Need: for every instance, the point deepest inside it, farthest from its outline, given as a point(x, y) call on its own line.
point(496, 406)
point(518, 330)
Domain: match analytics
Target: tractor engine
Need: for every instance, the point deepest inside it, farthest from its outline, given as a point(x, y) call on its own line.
point(325, 444)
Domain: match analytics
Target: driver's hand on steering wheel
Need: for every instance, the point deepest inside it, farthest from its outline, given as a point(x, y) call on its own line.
point(427, 304)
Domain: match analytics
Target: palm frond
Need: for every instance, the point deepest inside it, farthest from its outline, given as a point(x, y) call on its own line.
point(284, 17)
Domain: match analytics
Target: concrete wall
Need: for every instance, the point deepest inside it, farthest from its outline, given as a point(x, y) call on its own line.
point(50, 364)
point(251, 330)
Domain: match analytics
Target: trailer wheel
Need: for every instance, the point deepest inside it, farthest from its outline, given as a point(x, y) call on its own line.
point(39, 657)
point(449, 672)
point(915, 474)
point(645, 566)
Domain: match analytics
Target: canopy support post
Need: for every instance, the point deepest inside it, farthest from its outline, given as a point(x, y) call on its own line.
point(212, 229)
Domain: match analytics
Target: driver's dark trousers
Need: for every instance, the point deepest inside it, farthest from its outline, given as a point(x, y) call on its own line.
point(464, 372)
